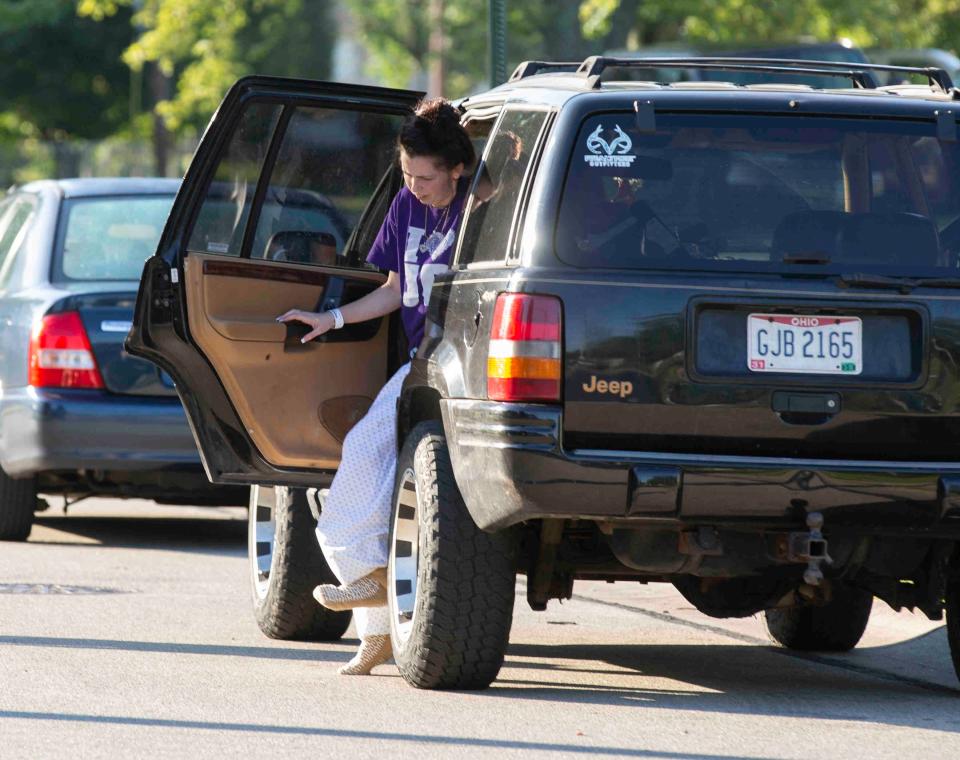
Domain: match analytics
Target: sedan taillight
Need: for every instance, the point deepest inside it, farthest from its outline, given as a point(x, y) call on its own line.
point(60, 354)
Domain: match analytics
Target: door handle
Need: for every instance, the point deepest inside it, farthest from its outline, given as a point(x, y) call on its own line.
point(799, 408)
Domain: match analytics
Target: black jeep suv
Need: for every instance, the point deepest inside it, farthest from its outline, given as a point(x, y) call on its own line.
point(698, 333)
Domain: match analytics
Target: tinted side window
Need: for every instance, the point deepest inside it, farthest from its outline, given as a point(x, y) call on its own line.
point(329, 164)
point(223, 215)
point(479, 130)
point(496, 193)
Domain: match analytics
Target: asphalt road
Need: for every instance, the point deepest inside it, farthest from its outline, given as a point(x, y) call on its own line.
point(125, 631)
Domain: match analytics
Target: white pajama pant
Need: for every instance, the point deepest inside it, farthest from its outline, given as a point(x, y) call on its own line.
point(355, 522)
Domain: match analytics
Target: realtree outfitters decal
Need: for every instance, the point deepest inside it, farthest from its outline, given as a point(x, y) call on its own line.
point(613, 153)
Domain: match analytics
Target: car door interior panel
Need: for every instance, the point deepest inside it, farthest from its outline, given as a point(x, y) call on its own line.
point(285, 409)
point(277, 211)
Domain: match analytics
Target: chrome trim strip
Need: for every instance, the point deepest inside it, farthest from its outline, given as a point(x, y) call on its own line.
point(615, 455)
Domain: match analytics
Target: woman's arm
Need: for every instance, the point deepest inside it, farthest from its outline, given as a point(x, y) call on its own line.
point(383, 300)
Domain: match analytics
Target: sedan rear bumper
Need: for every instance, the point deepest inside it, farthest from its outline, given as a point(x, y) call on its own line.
point(44, 430)
point(511, 466)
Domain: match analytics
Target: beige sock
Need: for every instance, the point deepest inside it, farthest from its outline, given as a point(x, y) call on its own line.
point(369, 591)
point(373, 651)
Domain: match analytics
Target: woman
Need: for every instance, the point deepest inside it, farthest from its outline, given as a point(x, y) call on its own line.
point(414, 243)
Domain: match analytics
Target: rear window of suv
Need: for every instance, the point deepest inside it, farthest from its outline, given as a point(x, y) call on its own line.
point(760, 193)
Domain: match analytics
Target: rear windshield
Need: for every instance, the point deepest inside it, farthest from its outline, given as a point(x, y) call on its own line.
point(754, 194)
point(109, 238)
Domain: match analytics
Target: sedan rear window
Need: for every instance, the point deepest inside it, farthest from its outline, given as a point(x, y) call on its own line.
point(109, 238)
point(761, 193)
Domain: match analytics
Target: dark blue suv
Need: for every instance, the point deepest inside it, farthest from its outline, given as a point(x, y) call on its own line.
point(697, 332)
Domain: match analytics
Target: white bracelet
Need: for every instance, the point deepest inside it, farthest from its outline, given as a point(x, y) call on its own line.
point(337, 318)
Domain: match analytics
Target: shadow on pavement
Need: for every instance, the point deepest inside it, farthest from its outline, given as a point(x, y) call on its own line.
point(757, 680)
point(309, 653)
point(203, 536)
point(706, 678)
point(445, 743)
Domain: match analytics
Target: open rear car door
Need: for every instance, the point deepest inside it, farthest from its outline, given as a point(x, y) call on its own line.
point(277, 211)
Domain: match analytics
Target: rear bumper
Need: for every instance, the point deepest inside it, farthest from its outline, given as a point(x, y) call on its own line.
point(47, 430)
point(511, 466)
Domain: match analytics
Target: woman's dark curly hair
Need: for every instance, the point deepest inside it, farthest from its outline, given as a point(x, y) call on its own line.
point(434, 130)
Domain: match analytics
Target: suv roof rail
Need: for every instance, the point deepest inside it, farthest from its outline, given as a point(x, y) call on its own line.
point(860, 73)
point(529, 68)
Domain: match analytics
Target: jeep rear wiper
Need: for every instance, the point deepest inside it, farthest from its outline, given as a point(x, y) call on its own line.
point(903, 284)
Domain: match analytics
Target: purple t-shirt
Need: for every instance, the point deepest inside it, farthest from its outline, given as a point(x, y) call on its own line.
point(416, 242)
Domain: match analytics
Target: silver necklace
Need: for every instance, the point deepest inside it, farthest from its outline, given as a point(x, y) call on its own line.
point(432, 241)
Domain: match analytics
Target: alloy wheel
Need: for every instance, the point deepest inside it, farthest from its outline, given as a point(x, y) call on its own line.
point(262, 536)
point(404, 551)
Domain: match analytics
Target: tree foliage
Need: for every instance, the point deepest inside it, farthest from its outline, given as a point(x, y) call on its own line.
point(61, 77)
point(867, 23)
point(65, 75)
point(397, 44)
point(205, 46)
point(573, 29)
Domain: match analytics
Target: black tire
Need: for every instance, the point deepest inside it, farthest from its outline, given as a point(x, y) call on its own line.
point(952, 599)
point(285, 564)
point(451, 587)
point(18, 502)
point(833, 627)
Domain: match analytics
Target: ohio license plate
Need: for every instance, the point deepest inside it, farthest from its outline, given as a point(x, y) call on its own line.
point(805, 344)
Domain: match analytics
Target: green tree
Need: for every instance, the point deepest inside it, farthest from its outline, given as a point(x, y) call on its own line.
point(398, 45)
point(62, 77)
point(868, 23)
point(203, 46)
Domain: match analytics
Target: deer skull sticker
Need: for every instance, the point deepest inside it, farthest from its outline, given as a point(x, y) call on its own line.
point(613, 153)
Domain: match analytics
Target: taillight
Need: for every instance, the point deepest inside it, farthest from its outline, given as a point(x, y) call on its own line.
point(524, 358)
point(60, 354)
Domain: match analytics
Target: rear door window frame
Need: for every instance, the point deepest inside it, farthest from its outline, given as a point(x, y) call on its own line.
point(511, 252)
point(267, 166)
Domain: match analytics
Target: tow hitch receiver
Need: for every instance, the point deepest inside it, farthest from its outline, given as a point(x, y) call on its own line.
point(810, 547)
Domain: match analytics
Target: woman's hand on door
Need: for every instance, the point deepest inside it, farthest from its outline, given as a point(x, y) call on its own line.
point(318, 322)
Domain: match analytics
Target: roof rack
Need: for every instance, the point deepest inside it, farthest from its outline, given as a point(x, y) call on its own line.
point(860, 73)
point(529, 68)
